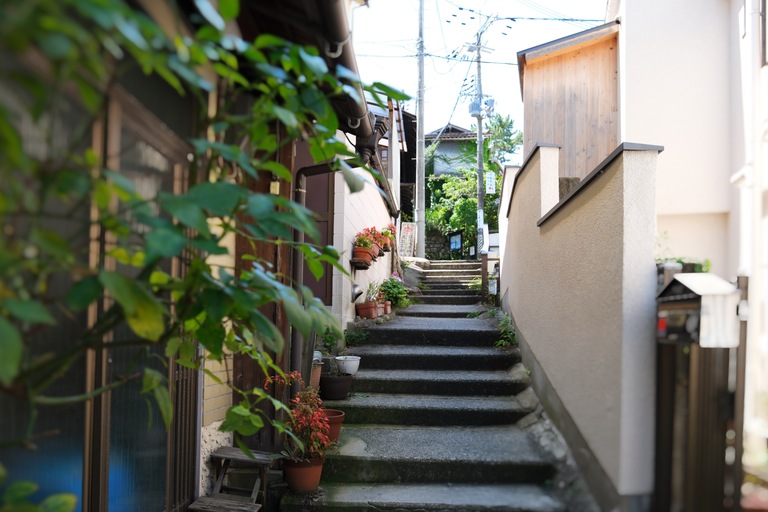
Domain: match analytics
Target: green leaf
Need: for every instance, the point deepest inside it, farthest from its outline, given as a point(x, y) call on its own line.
point(354, 182)
point(124, 290)
point(84, 292)
point(30, 311)
point(17, 492)
point(10, 352)
point(210, 13)
point(265, 40)
point(51, 243)
point(165, 404)
point(144, 314)
point(211, 336)
point(148, 320)
point(59, 503)
point(186, 211)
point(152, 379)
point(287, 117)
point(391, 92)
point(165, 243)
point(315, 63)
point(217, 198)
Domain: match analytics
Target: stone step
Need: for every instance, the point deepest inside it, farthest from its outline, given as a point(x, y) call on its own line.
point(448, 264)
point(449, 291)
point(410, 357)
point(454, 497)
point(438, 285)
point(447, 299)
point(483, 454)
point(443, 310)
point(401, 409)
point(453, 272)
point(458, 281)
point(405, 330)
point(442, 382)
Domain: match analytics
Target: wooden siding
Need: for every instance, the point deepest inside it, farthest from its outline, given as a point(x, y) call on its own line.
point(571, 99)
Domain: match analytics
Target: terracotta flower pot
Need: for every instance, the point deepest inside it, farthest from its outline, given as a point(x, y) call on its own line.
point(387, 307)
point(387, 244)
point(367, 310)
point(380, 309)
point(303, 476)
point(314, 377)
point(376, 250)
point(335, 387)
point(363, 254)
point(335, 420)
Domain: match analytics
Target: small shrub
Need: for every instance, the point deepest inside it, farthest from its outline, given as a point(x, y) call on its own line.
point(354, 337)
point(507, 335)
point(476, 283)
point(395, 291)
point(328, 341)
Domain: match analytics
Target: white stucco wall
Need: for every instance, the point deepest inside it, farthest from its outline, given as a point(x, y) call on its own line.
point(353, 213)
point(675, 82)
point(594, 340)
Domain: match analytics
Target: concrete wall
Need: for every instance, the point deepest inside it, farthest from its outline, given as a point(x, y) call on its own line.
point(581, 290)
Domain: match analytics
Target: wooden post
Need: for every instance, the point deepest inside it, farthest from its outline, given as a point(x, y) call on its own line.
point(484, 273)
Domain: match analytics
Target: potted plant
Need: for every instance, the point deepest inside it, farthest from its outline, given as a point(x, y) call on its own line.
point(393, 289)
point(330, 347)
point(348, 364)
point(335, 385)
point(362, 250)
point(368, 308)
point(386, 238)
point(307, 440)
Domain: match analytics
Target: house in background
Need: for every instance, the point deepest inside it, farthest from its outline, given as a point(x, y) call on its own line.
point(659, 117)
point(447, 157)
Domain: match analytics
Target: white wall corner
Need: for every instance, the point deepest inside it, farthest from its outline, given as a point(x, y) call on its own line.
point(550, 178)
point(638, 359)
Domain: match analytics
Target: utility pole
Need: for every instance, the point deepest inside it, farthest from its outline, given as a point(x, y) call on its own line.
point(420, 207)
point(480, 181)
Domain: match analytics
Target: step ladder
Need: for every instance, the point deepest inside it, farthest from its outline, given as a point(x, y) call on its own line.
point(226, 498)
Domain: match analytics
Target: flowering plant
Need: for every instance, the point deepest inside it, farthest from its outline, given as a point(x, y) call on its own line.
point(390, 231)
point(308, 428)
point(364, 239)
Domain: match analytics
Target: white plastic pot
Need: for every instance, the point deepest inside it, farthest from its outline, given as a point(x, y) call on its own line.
point(348, 364)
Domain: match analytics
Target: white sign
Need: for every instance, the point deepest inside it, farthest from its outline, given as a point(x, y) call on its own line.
point(490, 182)
point(407, 241)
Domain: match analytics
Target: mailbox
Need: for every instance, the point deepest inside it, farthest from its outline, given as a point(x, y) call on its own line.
point(698, 447)
point(698, 308)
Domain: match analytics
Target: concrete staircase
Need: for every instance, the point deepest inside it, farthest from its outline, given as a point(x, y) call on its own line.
point(450, 282)
point(430, 425)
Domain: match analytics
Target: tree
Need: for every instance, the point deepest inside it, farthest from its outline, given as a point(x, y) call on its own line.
point(138, 305)
point(453, 198)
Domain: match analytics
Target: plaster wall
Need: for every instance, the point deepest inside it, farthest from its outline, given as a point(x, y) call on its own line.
point(353, 213)
point(678, 89)
point(447, 155)
point(593, 340)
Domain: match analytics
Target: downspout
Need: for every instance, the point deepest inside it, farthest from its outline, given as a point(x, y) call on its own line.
point(301, 360)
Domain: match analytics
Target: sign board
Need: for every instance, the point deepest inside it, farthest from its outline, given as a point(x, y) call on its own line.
point(407, 241)
point(490, 182)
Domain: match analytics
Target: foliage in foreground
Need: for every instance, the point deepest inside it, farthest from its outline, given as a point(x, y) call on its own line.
point(54, 201)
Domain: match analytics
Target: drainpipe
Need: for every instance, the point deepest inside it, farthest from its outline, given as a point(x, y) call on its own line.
point(301, 360)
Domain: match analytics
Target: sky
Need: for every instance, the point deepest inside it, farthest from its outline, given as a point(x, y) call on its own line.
point(385, 36)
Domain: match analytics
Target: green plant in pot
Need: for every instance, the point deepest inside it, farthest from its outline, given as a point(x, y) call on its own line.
point(368, 308)
point(394, 290)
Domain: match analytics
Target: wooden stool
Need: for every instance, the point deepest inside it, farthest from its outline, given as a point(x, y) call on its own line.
point(222, 499)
